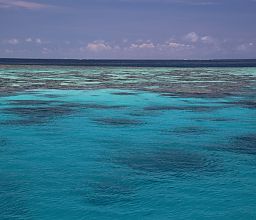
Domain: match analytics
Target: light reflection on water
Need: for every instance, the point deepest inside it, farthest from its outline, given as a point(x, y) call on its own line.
point(119, 149)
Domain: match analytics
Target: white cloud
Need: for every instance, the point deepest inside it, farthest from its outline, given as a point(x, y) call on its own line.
point(13, 41)
point(146, 45)
point(98, 46)
point(38, 40)
point(184, 2)
point(245, 46)
point(22, 4)
point(207, 39)
point(46, 50)
point(192, 37)
point(28, 40)
point(177, 45)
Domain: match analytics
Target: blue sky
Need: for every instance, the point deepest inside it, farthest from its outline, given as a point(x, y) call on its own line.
point(128, 29)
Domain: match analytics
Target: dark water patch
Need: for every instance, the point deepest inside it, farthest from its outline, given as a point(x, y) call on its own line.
point(137, 113)
point(124, 93)
point(3, 144)
point(39, 112)
point(167, 161)
point(161, 108)
point(23, 122)
point(192, 130)
point(214, 119)
point(244, 103)
point(6, 93)
point(183, 108)
point(203, 108)
point(169, 95)
point(52, 96)
point(31, 102)
point(99, 106)
point(91, 106)
point(118, 121)
point(245, 144)
point(3, 141)
point(35, 115)
point(71, 105)
point(209, 95)
point(142, 113)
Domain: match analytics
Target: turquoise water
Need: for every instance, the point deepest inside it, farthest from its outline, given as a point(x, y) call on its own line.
point(127, 143)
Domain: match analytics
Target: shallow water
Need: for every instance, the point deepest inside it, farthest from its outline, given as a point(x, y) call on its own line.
point(127, 143)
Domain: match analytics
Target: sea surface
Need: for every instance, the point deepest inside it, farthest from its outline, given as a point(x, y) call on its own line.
point(127, 141)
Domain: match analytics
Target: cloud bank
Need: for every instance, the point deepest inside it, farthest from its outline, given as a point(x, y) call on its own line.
point(22, 4)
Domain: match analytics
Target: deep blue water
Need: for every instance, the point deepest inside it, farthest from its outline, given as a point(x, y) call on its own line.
point(133, 63)
point(127, 143)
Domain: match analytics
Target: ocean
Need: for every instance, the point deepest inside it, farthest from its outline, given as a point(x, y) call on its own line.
point(109, 139)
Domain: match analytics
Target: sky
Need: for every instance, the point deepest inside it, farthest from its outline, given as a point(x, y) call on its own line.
point(128, 29)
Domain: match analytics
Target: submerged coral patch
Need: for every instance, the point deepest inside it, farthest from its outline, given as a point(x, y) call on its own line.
point(214, 119)
point(52, 96)
point(182, 82)
point(245, 144)
point(142, 113)
point(118, 121)
point(196, 130)
point(124, 93)
point(171, 160)
point(40, 112)
point(35, 115)
point(244, 103)
point(161, 108)
point(183, 108)
point(31, 102)
point(99, 106)
point(91, 106)
point(23, 122)
point(32, 111)
point(3, 141)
